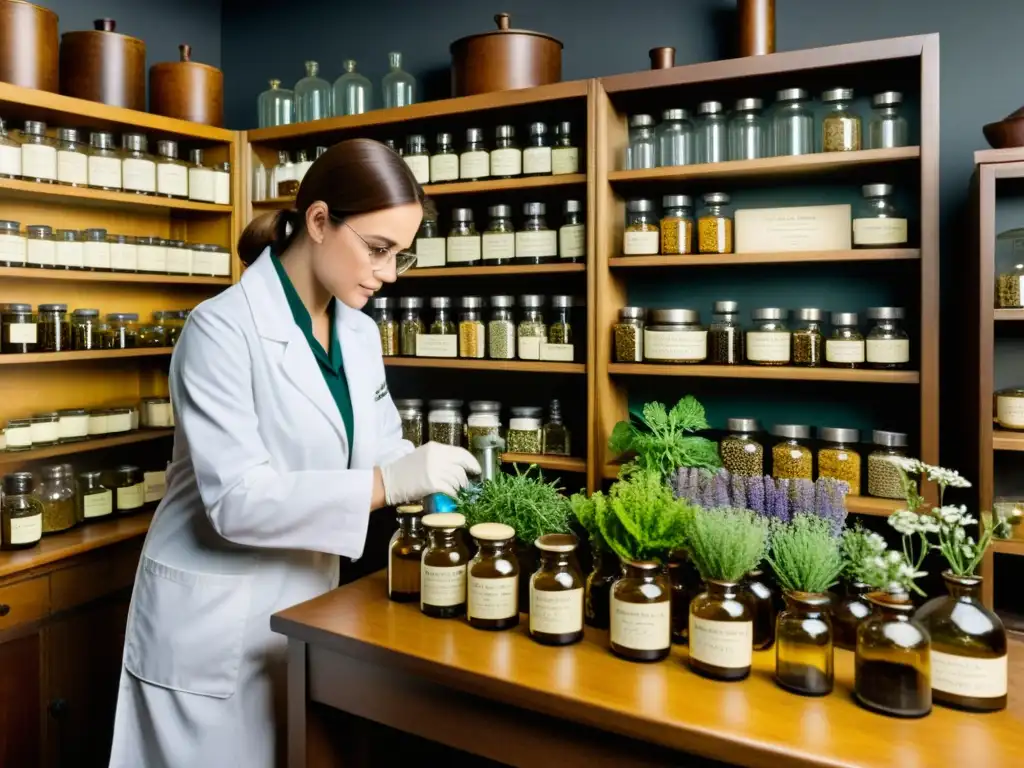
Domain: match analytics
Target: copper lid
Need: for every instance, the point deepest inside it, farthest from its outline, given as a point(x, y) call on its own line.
point(503, 20)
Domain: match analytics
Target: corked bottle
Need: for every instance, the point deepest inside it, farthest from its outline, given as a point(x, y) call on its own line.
point(187, 90)
point(404, 554)
point(556, 592)
point(443, 567)
point(102, 65)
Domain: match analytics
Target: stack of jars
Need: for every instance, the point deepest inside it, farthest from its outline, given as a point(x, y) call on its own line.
point(50, 329)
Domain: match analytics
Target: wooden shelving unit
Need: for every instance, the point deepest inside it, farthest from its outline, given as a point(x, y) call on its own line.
point(37, 358)
point(85, 446)
point(556, 463)
point(746, 259)
point(79, 276)
point(784, 373)
point(85, 196)
point(522, 366)
point(526, 270)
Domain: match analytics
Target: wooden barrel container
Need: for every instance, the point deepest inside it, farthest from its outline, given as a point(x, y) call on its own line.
point(102, 65)
point(28, 45)
point(187, 90)
point(504, 59)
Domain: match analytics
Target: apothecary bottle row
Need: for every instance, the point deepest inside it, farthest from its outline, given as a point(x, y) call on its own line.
point(678, 336)
point(525, 431)
point(69, 158)
point(794, 125)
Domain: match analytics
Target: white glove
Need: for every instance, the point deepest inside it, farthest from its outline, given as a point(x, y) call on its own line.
point(431, 468)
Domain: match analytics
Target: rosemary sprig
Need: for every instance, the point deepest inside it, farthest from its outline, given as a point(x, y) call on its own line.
point(523, 500)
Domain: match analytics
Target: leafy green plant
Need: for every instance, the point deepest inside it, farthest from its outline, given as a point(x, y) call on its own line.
point(726, 544)
point(857, 545)
point(805, 555)
point(523, 500)
point(663, 441)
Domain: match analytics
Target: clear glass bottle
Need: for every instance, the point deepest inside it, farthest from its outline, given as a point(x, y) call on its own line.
point(675, 138)
point(475, 160)
point(431, 249)
point(387, 326)
point(222, 183)
point(535, 243)
point(838, 456)
point(21, 512)
point(85, 329)
point(498, 242)
point(138, 167)
point(628, 335)
point(887, 345)
point(840, 127)
point(537, 155)
point(493, 578)
point(463, 244)
point(410, 411)
point(276, 106)
point(411, 325)
point(353, 93)
point(10, 154)
point(38, 153)
point(676, 224)
point(312, 96)
point(565, 157)
point(525, 430)
point(675, 336)
point(642, 151)
point(791, 458)
point(95, 501)
point(560, 327)
point(405, 551)
point(444, 422)
point(13, 244)
point(884, 479)
point(845, 347)
point(712, 135)
point(877, 223)
point(532, 331)
point(597, 596)
point(847, 614)
point(444, 163)
point(417, 157)
point(20, 329)
point(714, 227)
point(121, 331)
point(398, 86)
point(501, 330)
point(803, 655)
point(807, 338)
point(742, 453)
point(40, 246)
point(443, 324)
point(506, 157)
point(760, 596)
point(443, 567)
point(54, 329)
point(793, 123)
point(725, 336)
point(641, 612)
point(642, 235)
point(888, 127)
point(748, 131)
point(472, 334)
point(70, 254)
point(572, 235)
point(484, 420)
point(555, 439)
point(72, 159)
point(302, 165)
point(171, 173)
point(201, 180)
point(768, 343)
point(556, 592)
point(104, 162)
point(57, 492)
point(721, 632)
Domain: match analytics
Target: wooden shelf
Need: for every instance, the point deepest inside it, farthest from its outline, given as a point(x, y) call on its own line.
point(868, 505)
point(504, 270)
point(822, 162)
point(35, 358)
point(557, 463)
point(1008, 314)
point(1008, 546)
point(1007, 440)
point(85, 276)
point(786, 373)
point(736, 259)
point(57, 193)
point(85, 446)
point(523, 366)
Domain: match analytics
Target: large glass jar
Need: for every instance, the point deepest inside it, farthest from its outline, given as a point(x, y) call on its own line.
point(641, 612)
point(721, 632)
point(179, 257)
point(807, 339)
point(968, 656)
point(475, 160)
point(69, 251)
point(54, 329)
point(18, 435)
point(57, 492)
point(484, 420)
point(431, 249)
point(96, 249)
point(840, 126)
point(444, 163)
point(276, 106)
point(72, 159)
point(151, 256)
point(443, 567)
point(714, 227)
point(444, 422)
point(525, 429)
point(535, 243)
point(10, 154)
point(769, 342)
point(803, 653)
point(888, 127)
point(599, 586)
point(95, 501)
point(532, 331)
point(847, 614)
point(506, 157)
point(104, 162)
point(642, 151)
point(411, 325)
point(38, 153)
point(501, 330)
point(410, 411)
point(463, 244)
point(676, 224)
point(171, 172)
point(565, 157)
point(1009, 408)
point(45, 429)
point(72, 425)
point(748, 133)
point(124, 253)
point(443, 324)
point(877, 223)
point(892, 667)
point(353, 92)
point(793, 123)
point(20, 329)
point(387, 326)
point(628, 335)
point(417, 157)
point(127, 484)
point(493, 578)
point(21, 512)
point(838, 456)
point(884, 478)
point(711, 132)
point(40, 246)
point(887, 345)
point(13, 245)
point(498, 242)
point(760, 596)
point(121, 331)
point(742, 453)
point(556, 592)
point(675, 138)
point(537, 155)
point(791, 458)
point(202, 181)
point(845, 347)
point(398, 86)
point(312, 96)
point(85, 329)
point(138, 167)
point(405, 551)
point(675, 336)
point(725, 336)
point(641, 237)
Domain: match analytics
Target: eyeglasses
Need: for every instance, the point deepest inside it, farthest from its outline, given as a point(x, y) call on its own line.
point(380, 257)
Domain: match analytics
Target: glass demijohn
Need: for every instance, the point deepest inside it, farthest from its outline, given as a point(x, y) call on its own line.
point(276, 106)
point(312, 96)
point(353, 93)
point(398, 86)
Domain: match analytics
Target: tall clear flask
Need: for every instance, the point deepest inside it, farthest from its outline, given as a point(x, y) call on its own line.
point(398, 85)
point(276, 106)
point(352, 92)
point(793, 123)
point(312, 96)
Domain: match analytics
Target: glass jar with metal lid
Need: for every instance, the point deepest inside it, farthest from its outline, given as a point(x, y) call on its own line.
point(202, 180)
point(676, 224)
point(748, 133)
point(411, 325)
point(725, 336)
point(498, 243)
point(791, 458)
point(13, 244)
point(119, 420)
point(120, 331)
point(222, 183)
point(493, 578)
point(560, 328)
point(807, 338)
point(174, 320)
point(675, 336)
point(537, 155)
point(179, 257)
point(387, 326)
point(769, 342)
point(556, 592)
point(430, 249)
point(127, 484)
point(793, 123)
point(96, 249)
point(443, 324)
point(444, 422)
point(525, 429)
point(41, 246)
point(98, 422)
point(845, 347)
point(1009, 408)
point(19, 329)
point(885, 480)
point(54, 329)
point(444, 163)
point(675, 138)
point(506, 157)
point(18, 434)
point(642, 233)
point(405, 551)
point(742, 453)
point(138, 168)
point(72, 425)
point(532, 331)
point(69, 251)
point(171, 171)
point(877, 223)
point(474, 162)
point(501, 329)
point(628, 335)
point(714, 227)
point(572, 235)
point(45, 429)
point(712, 136)
point(642, 151)
point(472, 334)
point(565, 158)
point(410, 411)
point(95, 500)
point(104, 162)
point(838, 457)
point(85, 329)
point(72, 159)
point(840, 126)
point(887, 344)
point(124, 254)
point(152, 335)
point(10, 154)
point(888, 128)
point(417, 157)
point(38, 153)
point(57, 492)
point(21, 512)
point(463, 244)
point(156, 413)
point(484, 420)
point(152, 255)
point(443, 567)
point(535, 243)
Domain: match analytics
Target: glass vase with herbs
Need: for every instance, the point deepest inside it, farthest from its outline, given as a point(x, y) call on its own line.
point(857, 546)
point(757, 590)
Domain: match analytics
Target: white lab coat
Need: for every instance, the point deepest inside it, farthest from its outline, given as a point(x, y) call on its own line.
point(261, 498)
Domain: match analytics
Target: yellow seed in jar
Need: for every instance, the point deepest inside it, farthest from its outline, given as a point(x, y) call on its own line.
point(714, 234)
point(841, 464)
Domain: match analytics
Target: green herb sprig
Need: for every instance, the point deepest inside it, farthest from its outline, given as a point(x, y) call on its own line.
point(523, 500)
point(726, 544)
point(857, 546)
point(666, 442)
point(805, 555)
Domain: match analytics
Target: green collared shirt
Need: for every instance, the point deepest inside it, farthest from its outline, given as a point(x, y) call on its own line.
point(332, 365)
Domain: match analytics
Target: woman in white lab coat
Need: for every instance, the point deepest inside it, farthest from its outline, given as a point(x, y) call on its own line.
point(286, 439)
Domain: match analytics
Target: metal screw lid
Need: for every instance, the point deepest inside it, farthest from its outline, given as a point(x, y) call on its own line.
point(101, 140)
point(675, 114)
point(67, 235)
point(175, 243)
point(449, 520)
point(15, 308)
point(484, 406)
point(91, 476)
point(124, 317)
point(440, 302)
point(86, 313)
point(121, 239)
point(531, 301)
point(444, 405)
point(410, 302)
point(444, 139)
point(770, 313)
point(134, 142)
point(887, 99)
point(792, 431)
point(716, 198)
point(632, 313)
point(415, 143)
point(792, 94)
point(726, 307)
point(810, 315)
point(505, 132)
point(10, 227)
point(382, 302)
point(503, 302)
point(562, 302)
point(500, 211)
point(471, 302)
point(474, 135)
point(35, 127)
point(710, 108)
point(38, 231)
point(526, 411)
point(640, 206)
point(885, 313)
point(462, 214)
point(743, 425)
point(408, 404)
point(196, 156)
point(70, 135)
point(889, 439)
point(53, 308)
point(676, 201)
point(225, 166)
point(844, 318)
point(563, 128)
point(167, 148)
point(748, 105)
point(538, 129)
point(534, 209)
point(838, 435)
point(572, 206)
point(492, 532)
point(837, 94)
point(876, 190)
point(640, 121)
point(671, 316)
point(19, 483)
point(282, 157)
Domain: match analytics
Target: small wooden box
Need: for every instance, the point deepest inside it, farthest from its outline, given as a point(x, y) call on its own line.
point(801, 228)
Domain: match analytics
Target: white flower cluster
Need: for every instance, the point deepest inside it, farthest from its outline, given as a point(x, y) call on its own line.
point(891, 570)
point(948, 478)
point(908, 523)
point(954, 522)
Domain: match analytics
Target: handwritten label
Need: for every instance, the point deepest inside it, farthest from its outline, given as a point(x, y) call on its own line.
point(888, 350)
point(97, 504)
point(838, 351)
point(879, 231)
point(437, 345)
point(726, 644)
point(430, 251)
point(493, 598)
point(641, 626)
point(442, 587)
point(572, 241)
point(444, 168)
point(768, 346)
point(967, 676)
point(25, 530)
point(565, 160)
point(556, 613)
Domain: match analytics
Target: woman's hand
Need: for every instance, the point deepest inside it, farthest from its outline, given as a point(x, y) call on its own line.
point(431, 468)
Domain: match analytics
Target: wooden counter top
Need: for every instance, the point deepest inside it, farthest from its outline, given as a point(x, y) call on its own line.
point(752, 723)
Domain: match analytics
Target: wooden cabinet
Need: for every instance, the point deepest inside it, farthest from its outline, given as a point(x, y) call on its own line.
point(20, 701)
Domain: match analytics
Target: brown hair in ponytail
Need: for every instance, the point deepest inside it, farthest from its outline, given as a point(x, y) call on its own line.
point(352, 177)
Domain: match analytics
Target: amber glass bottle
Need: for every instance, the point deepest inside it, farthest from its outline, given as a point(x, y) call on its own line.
point(443, 567)
point(404, 554)
point(969, 663)
point(641, 612)
point(599, 586)
point(758, 593)
point(803, 645)
point(721, 632)
point(680, 597)
point(848, 613)
point(493, 586)
point(556, 592)
point(892, 670)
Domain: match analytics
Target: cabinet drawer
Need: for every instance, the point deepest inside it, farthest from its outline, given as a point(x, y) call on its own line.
point(24, 602)
point(95, 575)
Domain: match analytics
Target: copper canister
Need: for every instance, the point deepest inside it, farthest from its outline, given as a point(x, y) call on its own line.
point(187, 90)
point(28, 45)
point(504, 59)
point(102, 65)
point(756, 27)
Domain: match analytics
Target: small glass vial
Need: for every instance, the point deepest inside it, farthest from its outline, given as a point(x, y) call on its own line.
point(887, 345)
point(121, 331)
point(742, 453)
point(675, 138)
point(877, 222)
point(57, 492)
point(525, 430)
point(532, 331)
point(18, 435)
point(884, 478)
point(537, 155)
point(38, 153)
point(72, 159)
point(463, 244)
point(642, 151)
point(201, 181)
point(96, 250)
point(838, 457)
point(283, 180)
point(104, 162)
point(13, 244)
point(807, 338)
point(472, 335)
point(410, 411)
point(20, 329)
point(712, 135)
point(417, 157)
point(675, 336)
point(138, 168)
point(70, 254)
point(387, 326)
point(54, 329)
point(565, 157)
point(676, 224)
point(501, 330)
point(444, 422)
point(475, 161)
point(21, 512)
point(498, 243)
point(803, 654)
point(555, 440)
point(535, 243)
point(405, 551)
point(171, 173)
point(628, 335)
point(493, 578)
point(506, 157)
point(641, 612)
point(721, 633)
point(748, 134)
point(444, 163)
point(302, 165)
point(443, 567)
point(484, 420)
point(126, 483)
point(222, 183)
point(840, 127)
point(179, 257)
point(151, 255)
point(793, 123)
point(714, 227)
point(845, 347)
point(41, 246)
point(725, 336)
point(10, 154)
point(560, 328)
point(791, 458)
point(431, 250)
point(572, 235)
point(641, 237)
point(769, 342)
point(556, 592)
point(85, 329)
point(888, 127)
point(45, 429)
point(411, 325)
point(598, 589)
point(73, 425)
point(95, 501)
point(124, 254)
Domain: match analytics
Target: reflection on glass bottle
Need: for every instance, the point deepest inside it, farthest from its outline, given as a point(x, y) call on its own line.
point(352, 92)
point(312, 96)
point(276, 106)
point(399, 86)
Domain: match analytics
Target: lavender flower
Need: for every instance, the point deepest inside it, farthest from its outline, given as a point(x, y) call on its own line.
point(738, 492)
point(707, 491)
point(755, 495)
point(780, 505)
point(802, 496)
point(721, 482)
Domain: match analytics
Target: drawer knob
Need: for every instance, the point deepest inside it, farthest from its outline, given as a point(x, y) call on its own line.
point(4, 609)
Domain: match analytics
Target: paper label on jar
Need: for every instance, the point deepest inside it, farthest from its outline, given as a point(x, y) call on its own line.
point(675, 345)
point(41, 253)
point(560, 353)
point(97, 255)
point(25, 530)
point(768, 346)
point(529, 347)
point(463, 249)
point(556, 613)
point(10, 160)
point(139, 175)
point(179, 261)
point(19, 437)
point(641, 626)
point(200, 183)
point(172, 179)
point(444, 168)
point(437, 345)
point(727, 644)
point(565, 160)
point(521, 424)
point(641, 243)
point(530, 245)
point(73, 167)
point(967, 676)
point(537, 160)
point(879, 231)
point(97, 504)
point(222, 187)
point(888, 350)
point(840, 351)
point(45, 431)
point(506, 162)
point(474, 165)
point(1010, 411)
point(493, 598)
point(38, 161)
point(105, 172)
point(124, 256)
point(498, 245)
point(153, 258)
point(430, 251)
point(154, 486)
point(13, 248)
point(572, 241)
point(442, 587)
point(130, 497)
point(221, 263)
point(70, 254)
point(420, 167)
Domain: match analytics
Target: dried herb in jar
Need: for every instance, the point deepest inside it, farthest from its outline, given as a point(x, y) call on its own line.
point(741, 453)
point(629, 335)
point(837, 460)
point(1008, 291)
point(790, 458)
point(714, 227)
